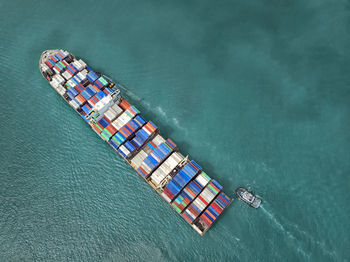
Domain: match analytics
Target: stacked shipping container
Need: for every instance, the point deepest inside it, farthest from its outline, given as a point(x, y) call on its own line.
point(127, 131)
point(212, 212)
point(137, 160)
point(190, 191)
point(165, 169)
point(180, 180)
point(201, 201)
point(155, 158)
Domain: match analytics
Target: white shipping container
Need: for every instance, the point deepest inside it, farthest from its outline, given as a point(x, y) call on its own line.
point(71, 83)
point(84, 72)
point(117, 109)
point(166, 197)
point(54, 83)
point(190, 213)
point(158, 140)
point(145, 167)
point(200, 205)
point(164, 170)
point(148, 132)
point(65, 53)
point(124, 150)
point(78, 65)
point(81, 76)
point(59, 79)
point(66, 75)
point(61, 90)
point(197, 202)
point(110, 114)
point(138, 159)
point(208, 196)
point(55, 70)
point(44, 67)
point(202, 180)
point(74, 104)
point(82, 63)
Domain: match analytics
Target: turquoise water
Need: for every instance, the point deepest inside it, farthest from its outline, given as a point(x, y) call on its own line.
point(257, 92)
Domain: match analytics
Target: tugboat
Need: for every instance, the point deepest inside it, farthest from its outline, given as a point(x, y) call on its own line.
point(248, 198)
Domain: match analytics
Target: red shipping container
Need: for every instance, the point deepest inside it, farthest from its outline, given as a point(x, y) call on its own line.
point(95, 99)
point(70, 72)
point(111, 129)
point(48, 63)
point(60, 55)
point(193, 211)
point(96, 128)
point(142, 170)
point(78, 89)
point(96, 88)
point(216, 207)
point(187, 218)
point(91, 101)
point(125, 134)
point(205, 219)
point(80, 98)
point(124, 104)
point(54, 59)
point(148, 129)
point(204, 202)
point(100, 125)
point(130, 127)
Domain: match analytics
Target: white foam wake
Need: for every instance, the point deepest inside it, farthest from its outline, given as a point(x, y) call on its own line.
point(159, 110)
point(282, 229)
point(320, 244)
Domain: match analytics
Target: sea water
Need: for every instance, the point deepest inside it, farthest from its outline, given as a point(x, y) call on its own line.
point(256, 92)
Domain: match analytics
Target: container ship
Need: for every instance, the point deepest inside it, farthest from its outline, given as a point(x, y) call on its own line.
point(179, 180)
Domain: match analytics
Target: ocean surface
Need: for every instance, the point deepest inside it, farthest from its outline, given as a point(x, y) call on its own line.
point(257, 92)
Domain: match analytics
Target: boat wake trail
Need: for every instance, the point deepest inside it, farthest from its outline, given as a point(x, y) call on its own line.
point(148, 106)
point(133, 96)
point(319, 244)
point(282, 229)
point(276, 222)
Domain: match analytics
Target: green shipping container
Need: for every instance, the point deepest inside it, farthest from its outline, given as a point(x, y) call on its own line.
point(103, 81)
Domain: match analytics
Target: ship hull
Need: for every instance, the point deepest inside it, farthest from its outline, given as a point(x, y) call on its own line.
point(158, 161)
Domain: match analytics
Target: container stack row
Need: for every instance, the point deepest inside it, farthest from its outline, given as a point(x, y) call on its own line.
point(127, 131)
point(125, 117)
point(209, 216)
point(193, 211)
point(124, 130)
point(131, 146)
point(155, 158)
point(190, 192)
point(165, 169)
point(180, 180)
point(144, 151)
point(144, 134)
point(82, 86)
